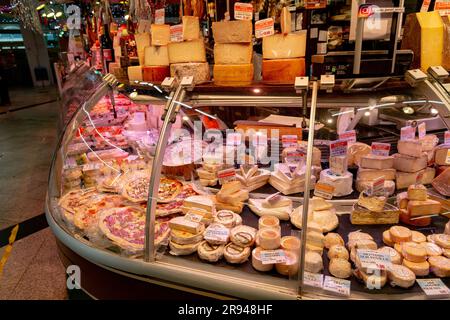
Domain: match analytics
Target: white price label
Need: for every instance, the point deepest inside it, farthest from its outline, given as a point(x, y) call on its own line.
point(313, 279)
point(193, 217)
point(375, 260)
point(434, 287)
point(264, 28)
point(243, 11)
point(447, 137)
point(216, 234)
point(226, 175)
point(272, 256)
point(407, 133)
point(349, 136)
point(324, 190)
point(289, 140)
point(381, 149)
point(338, 148)
point(91, 166)
point(176, 33)
point(336, 285)
point(234, 139)
point(422, 128)
point(159, 16)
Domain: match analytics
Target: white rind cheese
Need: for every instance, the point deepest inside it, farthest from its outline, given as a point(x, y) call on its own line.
point(342, 184)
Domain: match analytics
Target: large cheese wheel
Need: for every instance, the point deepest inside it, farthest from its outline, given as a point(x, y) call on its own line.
point(387, 238)
point(418, 237)
point(396, 258)
point(155, 73)
point(282, 71)
point(233, 74)
point(432, 249)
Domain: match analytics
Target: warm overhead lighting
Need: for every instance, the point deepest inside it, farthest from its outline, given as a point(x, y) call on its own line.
point(185, 118)
point(330, 120)
point(58, 14)
point(126, 17)
point(434, 111)
point(50, 14)
point(40, 7)
point(134, 94)
point(257, 90)
point(408, 110)
point(44, 15)
point(367, 113)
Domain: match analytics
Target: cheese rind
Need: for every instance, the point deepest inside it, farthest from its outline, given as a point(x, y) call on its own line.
point(414, 252)
point(234, 31)
point(233, 74)
point(338, 164)
point(362, 185)
point(440, 156)
point(155, 73)
point(191, 28)
point(187, 51)
point(417, 192)
point(282, 71)
point(420, 269)
point(156, 56)
point(280, 46)
point(411, 148)
point(342, 184)
point(372, 174)
point(423, 208)
point(375, 204)
point(405, 179)
point(233, 53)
point(372, 161)
point(355, 151)
point(142, 42)
point(400, 234)
point(410, 164)
point(160, 34)
point(198, 70)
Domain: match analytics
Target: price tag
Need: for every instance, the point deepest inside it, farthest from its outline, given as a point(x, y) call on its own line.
point(434, 287)
point(289, 140)
point(349, 136)
point(92, 166)
point(425, 5)
point(234, 139)
point(176, 33)
point(226, 175)
point(193, 217)
point(447, 137)
point(338, 148)
point(372, 259)
point(422, 128)
point(381, 149)
point(336, 285)
point(216, 234)
point(324, 190)
point(159, 16)
point(259, 139)
point(296, 156)
point(264, 28)
point(407, 133)
point(313, 279)
point(272, 256)
point(377, 187)
point(243, 11)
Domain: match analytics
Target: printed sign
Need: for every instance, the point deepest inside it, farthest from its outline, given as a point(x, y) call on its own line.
point(234, 139)
point(272, 256)
point(92, 166)
point(226, 175)
point(422, 128)
point(296, 156)
point(313, 279)
point(176, 33)
point(243, 11)
point(315, 4)
point(264, 28)
point(425, 5)
point(159, 16)
point(338, 148)
point(349, 136)
point(447, 137)
point(193, 217)
point(375, 260)
point(377, 187)
point(407, 133)
point(434, 287)
point(216, 234)
point(336, 285)
point(324, 190)
point(289, 140)
point(381, 149)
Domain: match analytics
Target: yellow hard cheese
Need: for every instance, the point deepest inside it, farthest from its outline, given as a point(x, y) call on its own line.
point(187, 51)
point(233, 53)
point(191, 28)
point(233, 74)
point(423, 208)
point(160, 34)
point(280, 46)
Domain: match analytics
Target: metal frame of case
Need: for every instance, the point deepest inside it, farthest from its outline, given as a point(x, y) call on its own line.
point(183, 274)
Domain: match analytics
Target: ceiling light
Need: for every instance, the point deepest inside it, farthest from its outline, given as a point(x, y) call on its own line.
point(40, 7)
point(50, 14)
point(330, 120)
point(257, 90)
point(367, 113)
point(434, 111)
point(408, 110)
point(58, 14)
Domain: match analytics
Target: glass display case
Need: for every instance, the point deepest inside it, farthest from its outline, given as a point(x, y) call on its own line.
point(201, 189)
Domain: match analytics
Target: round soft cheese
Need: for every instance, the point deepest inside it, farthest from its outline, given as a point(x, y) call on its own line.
point(432, 249)
point(387, 238)
point(290, 267)
point(268, 222)
point(442, 240)
point(420, 269)
point(401, 276)
point(236, 254)
point(183, 237)
point(182, 249)
point(396, 258)
point(313, 262)
point(418, 237)
point(400, 234)
point(243, 236)
point(225, 217)
point(414, 252)
point(210, 252)
point(340, 268)
point(257, 262)
point(332, 239)
point(269, 239)
point(342, 184)
point(338, 252)
point(291, 243)
point(440, 266)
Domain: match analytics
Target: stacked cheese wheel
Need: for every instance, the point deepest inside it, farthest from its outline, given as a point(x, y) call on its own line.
point(208, 173)
point(156, 57)
point(251, 177)
point(442, 162)
point(411, 162)
point(339, 265)
point(283, 54)
point(233, 53)
point(415, 203)
point(420, 254)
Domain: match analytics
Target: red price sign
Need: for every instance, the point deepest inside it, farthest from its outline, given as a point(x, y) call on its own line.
point(377, 187)
point(425, 5)
point(243, 11)
point(349, 136)
point(159, 16)
point(447, 137)
point(264, 28)
point(176, 33)
point(289, 140)
point(338, 148)
point(226, 175)
point(381, 149)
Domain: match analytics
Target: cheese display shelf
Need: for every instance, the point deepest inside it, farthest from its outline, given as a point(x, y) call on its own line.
point(136, 198)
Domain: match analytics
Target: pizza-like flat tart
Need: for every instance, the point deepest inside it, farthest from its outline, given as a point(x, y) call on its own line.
point(74, 200)
point(175, 206)
point(169, 189)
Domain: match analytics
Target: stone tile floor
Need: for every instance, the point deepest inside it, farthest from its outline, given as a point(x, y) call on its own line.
point(27, 141)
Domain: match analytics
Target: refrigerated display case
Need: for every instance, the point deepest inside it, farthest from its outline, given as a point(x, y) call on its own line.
point(138, 178)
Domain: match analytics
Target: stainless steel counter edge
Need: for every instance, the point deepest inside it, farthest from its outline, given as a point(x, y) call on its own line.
point(162, 271)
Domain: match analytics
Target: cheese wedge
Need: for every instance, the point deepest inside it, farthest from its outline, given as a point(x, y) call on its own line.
point(411, 148)
point(441, 155)
point(200, 202)
point(356, 151)
point(234, 198)
point(319, 204)
point(282, 213)
point(182, 224)
point(423, 208)
point(440, 266)
point(402, 200)
point(417, 192)
point(229, 188)
point(276, 201)
point(191, 28)
point(160, 34)
point(279, 46)
point(373, 203)
point(406, 163)
point(420, 269)
point(232, 31)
